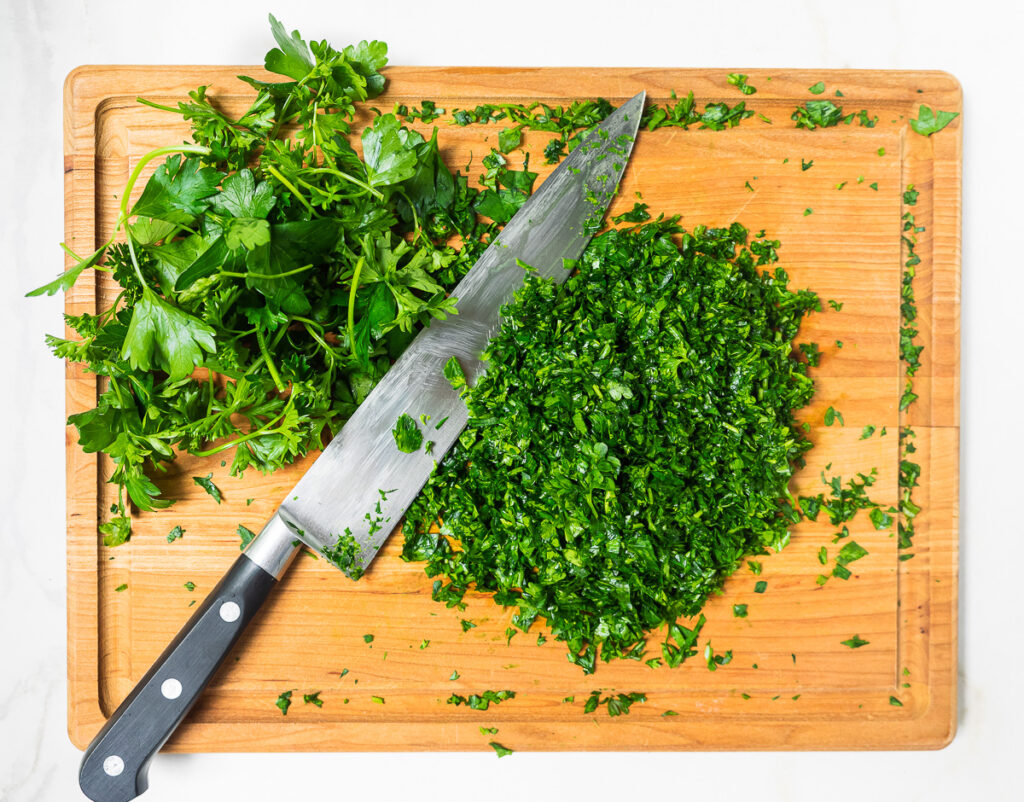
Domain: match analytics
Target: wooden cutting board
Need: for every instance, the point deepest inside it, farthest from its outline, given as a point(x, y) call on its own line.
point(791, 683)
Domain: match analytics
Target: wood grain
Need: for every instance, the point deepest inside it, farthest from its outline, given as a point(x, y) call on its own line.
point(807, 690)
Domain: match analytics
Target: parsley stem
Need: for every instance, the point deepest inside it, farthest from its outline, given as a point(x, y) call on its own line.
point(246, 437)
point(352, 306)
point(277, 174)
point(266, 276)
point(345, 176)
point(127, 193)
point(261, 338)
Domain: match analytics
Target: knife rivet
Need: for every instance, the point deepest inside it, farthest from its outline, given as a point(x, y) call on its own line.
point(113, 765)
point(170, 688)
point(230, 611)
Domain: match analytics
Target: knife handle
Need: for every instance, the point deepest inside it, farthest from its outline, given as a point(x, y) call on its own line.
point(115, 765)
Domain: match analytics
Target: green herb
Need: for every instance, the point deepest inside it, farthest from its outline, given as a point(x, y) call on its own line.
point(270, 253)
point(832, 415)
point(823, 555)
point(817, 114)
point(836, 305)
point(817, 89)
point(313, 699)
point(866, 432)
point(246, 536)
point(284, 701)
point(488, 730)
point(175, 534)
point(895, 702)
point(346, 553)
point(367, 638)
point(615, 704)
point(715, 660)
point(566, 376)
point(670, 713)
point(189, 586)
point(806, 165)
point(874, 185)
point(377, 700)
point(424, 643)
point(755, 567)
point(206, 482)
point(910, 196)
point(638, 214)
point(454, 676)
point(881, 151)
point(481, 701)
point(739, 610)
point(808, 211)
point(761, 586)
point(120, 588)
point(841, 184)
point(880, 519)
point(851, 552)
point(929, 122)
point(499, 749)
point(855, 642)
point(407, 434)
point(739, 80)
point(812, 352)
point(467, 625)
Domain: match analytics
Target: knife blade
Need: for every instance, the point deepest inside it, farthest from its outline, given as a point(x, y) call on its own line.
point(356, 491)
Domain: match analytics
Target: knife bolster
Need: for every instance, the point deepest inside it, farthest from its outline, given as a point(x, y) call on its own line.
point(274, 547)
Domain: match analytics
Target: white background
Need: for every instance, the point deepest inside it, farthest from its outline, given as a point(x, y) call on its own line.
point(979, 42)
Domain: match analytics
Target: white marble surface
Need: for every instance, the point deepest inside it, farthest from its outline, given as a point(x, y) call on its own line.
point(978, 42)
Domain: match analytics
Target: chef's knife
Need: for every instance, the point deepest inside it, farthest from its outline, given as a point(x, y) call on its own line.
point(361, 485)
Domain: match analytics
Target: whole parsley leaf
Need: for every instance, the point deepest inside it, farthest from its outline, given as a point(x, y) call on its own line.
point(178, 190)
point(388, 159)
point(162, 336)
point(292, 57)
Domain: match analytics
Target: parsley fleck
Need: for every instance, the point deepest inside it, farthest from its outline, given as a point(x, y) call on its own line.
point(855, 642)
point(284, 701)
point(206, 482)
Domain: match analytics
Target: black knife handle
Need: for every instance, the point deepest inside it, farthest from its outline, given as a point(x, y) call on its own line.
point(115, 765)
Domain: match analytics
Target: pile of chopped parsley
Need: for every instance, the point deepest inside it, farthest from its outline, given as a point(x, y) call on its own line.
point(631, 441)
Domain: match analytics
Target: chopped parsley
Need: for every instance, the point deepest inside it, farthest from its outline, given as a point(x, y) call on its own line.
point(500, 750)
point(313, 699)
point(615, 704)
point(246, 535)
point(284, 701)
point(855, 642)
point(480, 701)
point(407, 434)
point(206, 482)
point(739, 80)
point(930, 122)
point(175, 534)
point(567, 378)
